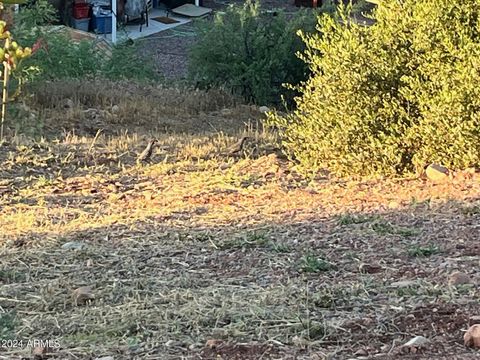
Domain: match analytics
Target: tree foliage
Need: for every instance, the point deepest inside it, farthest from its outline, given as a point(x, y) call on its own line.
point(251, 52)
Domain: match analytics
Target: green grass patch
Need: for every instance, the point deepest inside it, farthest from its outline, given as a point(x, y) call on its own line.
point(311, 263)
point(280, 247)
point(415, 203)
point(252, 239)
point(386, 228)
point(423, 251)
point(9, 276)
point(349, 219)
point(7, 325)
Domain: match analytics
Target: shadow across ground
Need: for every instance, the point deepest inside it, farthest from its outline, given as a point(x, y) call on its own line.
point(323, 286)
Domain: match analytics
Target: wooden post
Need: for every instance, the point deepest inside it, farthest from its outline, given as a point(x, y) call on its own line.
point(4, 95)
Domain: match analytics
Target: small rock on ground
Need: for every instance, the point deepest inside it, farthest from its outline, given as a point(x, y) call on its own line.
point(437, 173)
point(403, 284)
point(473, 320)
point(472, 337)
point(72, 245)
point(459, 278)
point(370, 268)
point(68, 104)
point(417, 341)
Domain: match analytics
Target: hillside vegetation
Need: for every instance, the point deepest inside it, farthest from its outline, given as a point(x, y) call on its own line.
point(218, 246)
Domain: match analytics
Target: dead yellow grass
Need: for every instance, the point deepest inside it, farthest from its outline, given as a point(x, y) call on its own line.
point(199, 245)
point(94, 183)
point(86, 183)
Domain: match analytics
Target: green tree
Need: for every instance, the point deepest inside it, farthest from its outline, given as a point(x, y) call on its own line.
point(251, 52)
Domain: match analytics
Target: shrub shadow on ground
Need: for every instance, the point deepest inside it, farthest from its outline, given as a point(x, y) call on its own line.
point(352, 283)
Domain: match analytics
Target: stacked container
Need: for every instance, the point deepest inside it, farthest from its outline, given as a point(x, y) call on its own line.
point(81, 12)
point(101, 20)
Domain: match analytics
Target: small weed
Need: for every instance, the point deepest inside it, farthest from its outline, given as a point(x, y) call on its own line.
point(406, 232)
point(43, 182)
point(81, 337)
point(258, 237)
point(351, 255)
point(7, 325)
point(415, 203)
point(242, 181)
point(11, 276)
point(251, 239)
point(280, 247)
point(434, 290)
point(316, 330)
point(471, 210)
point(408, 291)
point(329, 297)
point(203, 237)
point(235, 244)
point(465, 289)
point(132, 341)
point(349, 219)
point(423, 251)
point(385, 228)
point(324, 299)
point(313, 264)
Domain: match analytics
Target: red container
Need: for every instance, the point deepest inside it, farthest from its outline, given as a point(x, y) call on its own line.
point(81, 10)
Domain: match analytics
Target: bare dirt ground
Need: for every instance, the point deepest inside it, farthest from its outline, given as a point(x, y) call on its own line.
point(202, 255)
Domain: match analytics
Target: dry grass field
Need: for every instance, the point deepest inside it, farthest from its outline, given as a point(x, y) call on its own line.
point(203, 255)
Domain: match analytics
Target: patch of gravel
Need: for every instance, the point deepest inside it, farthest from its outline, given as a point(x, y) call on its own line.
point(169, 50)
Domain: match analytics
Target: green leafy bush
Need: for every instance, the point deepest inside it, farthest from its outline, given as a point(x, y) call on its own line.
point(35, 13)
point(393, 97)
point(61, 58)
point(250, 52)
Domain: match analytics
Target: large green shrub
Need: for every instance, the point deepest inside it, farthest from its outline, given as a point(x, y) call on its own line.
point(393, 97)
point(250, 52)
point(62, 58)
